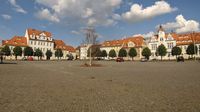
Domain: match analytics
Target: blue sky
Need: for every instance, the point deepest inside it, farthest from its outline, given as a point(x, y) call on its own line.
point(112, 19)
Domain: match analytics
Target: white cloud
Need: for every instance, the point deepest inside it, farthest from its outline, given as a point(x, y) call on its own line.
point(75, 32)
point(138, 13)
point(149, 34)
point(46, 14)
point(181, 25)
point(17, 7)
point(89, 12)
point(6, 17)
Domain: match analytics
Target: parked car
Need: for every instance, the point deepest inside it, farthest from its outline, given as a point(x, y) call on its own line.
point(30, 58)
point(119, 60)
point(180, 58)
point(143, 60)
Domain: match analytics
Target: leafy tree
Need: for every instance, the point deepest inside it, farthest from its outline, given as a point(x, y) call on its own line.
point(48, 54)
point(162, 51)
point(146, 52)
point(6, 50)
point(70, 56)
point(112, 53)
point(190, 50)
point(104, 53)
point(38, 53)
point(58, 53)
point(176, 51)
point(132, 52)
point(28, 51)
point(122, 53)
point(17, 51)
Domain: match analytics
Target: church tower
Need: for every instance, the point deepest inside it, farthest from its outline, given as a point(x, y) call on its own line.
point(161, 34)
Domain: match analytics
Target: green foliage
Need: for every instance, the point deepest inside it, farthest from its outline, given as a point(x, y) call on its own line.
point(176, 51)
point(190, 49)
point(132, 53)
point(58, 53)
point(146, 52)
point(104, 53)
point(38, 53)
point(122, 53)
point(6, 50)
point(48, 54)
point(162, 51)
point(112, 53)
point(17, 51)
point(28, 51)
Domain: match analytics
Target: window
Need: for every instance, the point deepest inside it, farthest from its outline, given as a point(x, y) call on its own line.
point(154, 46)
point(170, 45)
point(161, 39)
point(38, 43)
point(34, 42)
point(47, 44)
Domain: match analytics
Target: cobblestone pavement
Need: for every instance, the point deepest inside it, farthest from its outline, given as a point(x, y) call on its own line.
point(64, 86)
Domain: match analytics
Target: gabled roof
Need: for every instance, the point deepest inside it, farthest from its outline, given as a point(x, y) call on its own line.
point(16, 41)
point(59, 44)
point(37, 32)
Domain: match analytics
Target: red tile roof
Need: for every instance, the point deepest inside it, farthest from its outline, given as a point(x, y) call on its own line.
point(138, 41)
point(186, 39)
point(38, 32)
point(16, 41)
point(59, 44)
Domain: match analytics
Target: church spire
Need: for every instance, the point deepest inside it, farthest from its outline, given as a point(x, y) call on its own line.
point(160, 28)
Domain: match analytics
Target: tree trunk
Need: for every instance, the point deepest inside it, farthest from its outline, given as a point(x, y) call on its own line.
point(161, 58)
point(38, 58)
point(176, 57)
point(16, 57)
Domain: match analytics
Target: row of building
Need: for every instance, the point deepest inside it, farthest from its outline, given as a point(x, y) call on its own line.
point(169, 40)
point(45, 41)
point(37, 39)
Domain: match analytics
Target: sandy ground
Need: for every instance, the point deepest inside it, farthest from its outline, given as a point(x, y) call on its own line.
point(64, 86)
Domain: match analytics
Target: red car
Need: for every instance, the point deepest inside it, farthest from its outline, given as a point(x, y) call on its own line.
point(119, 60)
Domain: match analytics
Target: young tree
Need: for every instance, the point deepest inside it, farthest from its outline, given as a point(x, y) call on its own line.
point(58, 53)
point(191, 50)
point(146, 52)
point(122, 53)
point(38, 53)
point(17, 51)
point(48, 54)
point(132, 52)
point(28, 51)
point(176, 51)
point(6, 50)
point(162, 51)
point(104, 53)
point(112, 53)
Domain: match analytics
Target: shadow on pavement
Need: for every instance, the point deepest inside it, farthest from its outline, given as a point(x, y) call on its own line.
point(8, 63)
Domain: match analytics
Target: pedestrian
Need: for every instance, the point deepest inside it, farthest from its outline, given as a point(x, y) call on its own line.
point(1, 58)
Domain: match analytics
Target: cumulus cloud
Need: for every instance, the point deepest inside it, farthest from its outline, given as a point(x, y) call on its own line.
point(6, 17)
point(181, 25)
point(149, 34)
point(89, 12)
point(46, 14)
point(138, 13)
point(17, 7)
